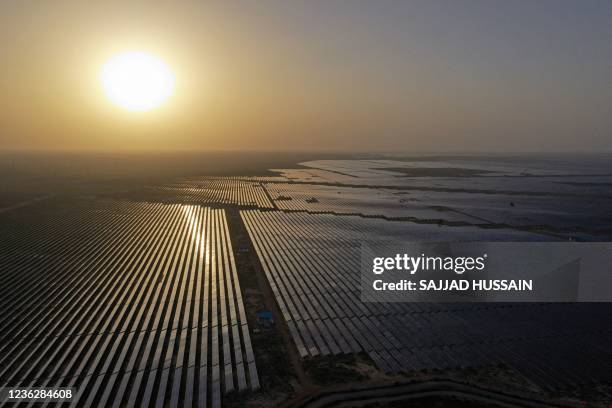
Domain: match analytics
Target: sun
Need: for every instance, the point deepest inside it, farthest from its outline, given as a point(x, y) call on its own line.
point(137, 81)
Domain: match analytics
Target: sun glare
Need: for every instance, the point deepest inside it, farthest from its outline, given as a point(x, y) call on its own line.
point(137, 81)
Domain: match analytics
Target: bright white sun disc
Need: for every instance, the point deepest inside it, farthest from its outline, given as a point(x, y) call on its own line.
point(137, 81)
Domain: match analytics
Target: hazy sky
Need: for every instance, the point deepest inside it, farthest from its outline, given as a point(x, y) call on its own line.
point(335, 75)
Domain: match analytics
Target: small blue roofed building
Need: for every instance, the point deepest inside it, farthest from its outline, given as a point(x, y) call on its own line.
point(265, 319)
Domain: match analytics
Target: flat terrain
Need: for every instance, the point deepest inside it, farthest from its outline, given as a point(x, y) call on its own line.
point(143, 287)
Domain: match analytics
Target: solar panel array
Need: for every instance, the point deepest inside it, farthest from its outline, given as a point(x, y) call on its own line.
point(263, 179)
point(363, 187)
point(139, 304)
point(211, 191)
point(134, 304)
point(454, 207)
point(357, 201)
point(499, 177)
point(312, 264)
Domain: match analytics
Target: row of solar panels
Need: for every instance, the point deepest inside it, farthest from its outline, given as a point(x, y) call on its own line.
point(359, 201)
point(132, 304)
point(316, 285)
point(214, 191)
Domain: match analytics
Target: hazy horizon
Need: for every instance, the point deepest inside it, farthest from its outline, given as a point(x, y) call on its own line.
point(407, 77)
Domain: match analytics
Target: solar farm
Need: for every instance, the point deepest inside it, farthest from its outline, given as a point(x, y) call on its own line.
point(153, 314)
point(150, 297)
point(310, 262)
point(211, 191)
